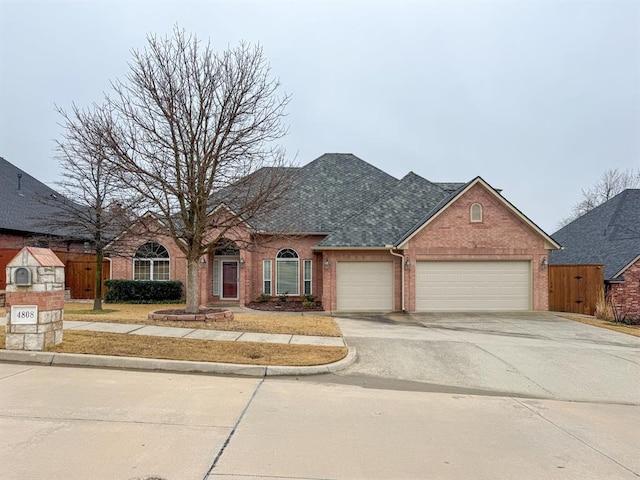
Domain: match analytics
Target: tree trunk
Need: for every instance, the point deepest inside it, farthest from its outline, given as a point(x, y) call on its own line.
point(193, 286)
point(97, 289)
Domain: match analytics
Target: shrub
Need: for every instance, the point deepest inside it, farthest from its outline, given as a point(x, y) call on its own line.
point(263, 298)
point(138, 291)
point(604, 309)
point(283, 297)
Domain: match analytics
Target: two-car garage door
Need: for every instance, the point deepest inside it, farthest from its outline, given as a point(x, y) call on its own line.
point(440, 286)
point(473, 286)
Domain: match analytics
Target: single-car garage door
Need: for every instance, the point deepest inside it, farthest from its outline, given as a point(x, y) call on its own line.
point(365, 286)
point(473, 286)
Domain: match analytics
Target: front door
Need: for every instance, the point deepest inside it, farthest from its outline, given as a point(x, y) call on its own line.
point(230, 280)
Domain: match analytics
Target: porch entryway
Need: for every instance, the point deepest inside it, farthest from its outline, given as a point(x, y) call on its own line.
point(226, 270)
point(230, 277)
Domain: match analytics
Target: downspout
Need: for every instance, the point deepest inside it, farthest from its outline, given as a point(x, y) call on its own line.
point(402, 274)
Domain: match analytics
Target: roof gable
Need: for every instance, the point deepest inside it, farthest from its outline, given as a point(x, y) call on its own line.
point(608, 234)
point(550, 243)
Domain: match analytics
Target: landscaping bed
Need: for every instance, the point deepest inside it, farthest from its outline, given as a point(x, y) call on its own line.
point(288, 306)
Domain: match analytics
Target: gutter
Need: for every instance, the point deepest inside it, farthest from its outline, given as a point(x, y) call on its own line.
point(401, 270)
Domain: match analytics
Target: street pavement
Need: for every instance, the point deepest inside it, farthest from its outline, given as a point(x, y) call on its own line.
point(420, 417)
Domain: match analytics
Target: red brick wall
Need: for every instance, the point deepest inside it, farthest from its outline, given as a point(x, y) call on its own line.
point(251, 273)
point(18, 241)
point(44, 300)
point(625, 296)
point(500, 236)
point(122, 258)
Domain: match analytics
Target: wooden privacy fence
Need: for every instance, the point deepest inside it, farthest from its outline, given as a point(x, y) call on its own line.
point(79, 271)
point(6, 255)
point(80, 277)
point(575, 288)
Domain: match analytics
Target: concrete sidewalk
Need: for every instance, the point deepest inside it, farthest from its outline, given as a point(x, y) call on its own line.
point(201, 334)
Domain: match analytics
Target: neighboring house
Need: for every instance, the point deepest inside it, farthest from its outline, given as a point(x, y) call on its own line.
point(25, 221)
point(361, 240)
point(608, 235)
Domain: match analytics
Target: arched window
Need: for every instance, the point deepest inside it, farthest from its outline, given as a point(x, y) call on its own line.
point(287, 272)
point(476, 213)
point(151, 262)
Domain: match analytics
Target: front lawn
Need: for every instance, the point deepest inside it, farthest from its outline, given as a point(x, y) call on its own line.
point(99, 343)
point(292, 324)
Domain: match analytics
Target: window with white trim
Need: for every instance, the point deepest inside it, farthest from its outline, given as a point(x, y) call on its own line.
point(266, 277)
point(306, 276)
point(287, 272)
point(151, 262)
point(216, 277)
point(476, 213)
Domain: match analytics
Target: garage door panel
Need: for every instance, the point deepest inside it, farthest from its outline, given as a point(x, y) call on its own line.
point(365, 286)
point(473, 285)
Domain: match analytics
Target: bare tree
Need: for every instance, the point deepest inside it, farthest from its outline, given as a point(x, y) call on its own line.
point(612, 182)
point(188, 125)
point(92, 206)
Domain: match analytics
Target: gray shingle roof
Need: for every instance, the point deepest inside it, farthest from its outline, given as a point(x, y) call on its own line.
point(609, 234)
point(353, 203)
point(330, 190)
point(22, 210)
point(387, 220)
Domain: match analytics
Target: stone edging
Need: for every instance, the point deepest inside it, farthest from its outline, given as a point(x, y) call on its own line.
point(221, 316)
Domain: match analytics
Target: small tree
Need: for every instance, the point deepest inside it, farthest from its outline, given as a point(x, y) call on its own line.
point(92, 206)
point(187, 124)
point(612, 182)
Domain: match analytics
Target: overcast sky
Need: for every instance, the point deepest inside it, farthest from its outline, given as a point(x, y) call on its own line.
point(538, 97)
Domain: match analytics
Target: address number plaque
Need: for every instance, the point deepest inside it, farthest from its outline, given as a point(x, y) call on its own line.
point(24, 314)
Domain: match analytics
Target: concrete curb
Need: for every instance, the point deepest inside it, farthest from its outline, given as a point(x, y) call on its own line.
point(133, 363)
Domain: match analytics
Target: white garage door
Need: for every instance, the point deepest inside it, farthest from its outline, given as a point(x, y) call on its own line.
point(365, 286)
point(473, 286)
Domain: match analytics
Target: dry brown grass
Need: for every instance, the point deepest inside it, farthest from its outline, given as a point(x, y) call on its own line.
point(197, 350)
point(596, 322)
point(292, 324)
point(122, 345)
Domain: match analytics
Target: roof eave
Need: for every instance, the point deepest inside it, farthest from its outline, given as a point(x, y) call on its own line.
point(625, 268)
point(347, 247)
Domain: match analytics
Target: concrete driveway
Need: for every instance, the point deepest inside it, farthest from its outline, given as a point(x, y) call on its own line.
point(536, 355)
point(76, 423)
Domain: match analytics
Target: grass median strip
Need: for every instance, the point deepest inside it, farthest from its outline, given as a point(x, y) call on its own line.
point(596, 322)
point(123, 345)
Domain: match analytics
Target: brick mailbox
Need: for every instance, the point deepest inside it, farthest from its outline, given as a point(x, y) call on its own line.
point(34, 300)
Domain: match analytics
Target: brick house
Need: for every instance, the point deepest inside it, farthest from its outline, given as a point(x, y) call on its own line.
point(21, 218)
point(608, 235)
point(22, 224)
point(361, 240)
